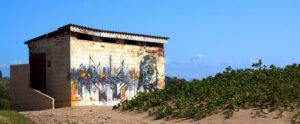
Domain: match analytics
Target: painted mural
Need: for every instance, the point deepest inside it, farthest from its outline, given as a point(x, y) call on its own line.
point(95, 84)
point(148, 72)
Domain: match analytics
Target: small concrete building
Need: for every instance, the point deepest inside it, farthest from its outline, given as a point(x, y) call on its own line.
point(80, 66)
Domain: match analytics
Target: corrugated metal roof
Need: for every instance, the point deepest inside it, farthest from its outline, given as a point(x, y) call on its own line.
point(118, 32)
point(69, 26)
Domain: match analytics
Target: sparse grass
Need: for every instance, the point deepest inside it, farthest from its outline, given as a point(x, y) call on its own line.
point(12, 117)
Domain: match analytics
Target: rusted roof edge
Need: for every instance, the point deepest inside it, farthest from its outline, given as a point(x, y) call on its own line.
point(68, 26)
point(117, 32)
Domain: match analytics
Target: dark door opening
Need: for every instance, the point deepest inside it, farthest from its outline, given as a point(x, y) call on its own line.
point(38, 71)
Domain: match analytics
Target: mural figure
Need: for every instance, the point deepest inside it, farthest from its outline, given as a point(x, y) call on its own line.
point(149, 73)
point(96, 84)
point(102, 85)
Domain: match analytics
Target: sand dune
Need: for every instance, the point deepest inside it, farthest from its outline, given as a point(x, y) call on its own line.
point(105, 115)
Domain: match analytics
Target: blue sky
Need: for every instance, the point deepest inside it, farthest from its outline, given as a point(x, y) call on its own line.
point(206, 36)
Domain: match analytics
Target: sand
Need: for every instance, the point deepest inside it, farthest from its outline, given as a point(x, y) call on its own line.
point(105, 115)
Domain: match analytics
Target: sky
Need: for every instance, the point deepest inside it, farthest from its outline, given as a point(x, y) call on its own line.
point(206, 36)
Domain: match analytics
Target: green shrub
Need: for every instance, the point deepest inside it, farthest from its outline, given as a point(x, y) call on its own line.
point(12, 117)
point(259, 87)
point(4, 88)
point(4, 104)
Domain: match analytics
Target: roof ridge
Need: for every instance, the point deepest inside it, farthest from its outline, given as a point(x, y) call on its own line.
point(110, 31)
point(68, 27)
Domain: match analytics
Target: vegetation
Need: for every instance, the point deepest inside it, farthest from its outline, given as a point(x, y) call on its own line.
point(4, 94)
point(7, 116)
point(11, 117)
point(266, 88)
point(4, 104)
point(4, 88)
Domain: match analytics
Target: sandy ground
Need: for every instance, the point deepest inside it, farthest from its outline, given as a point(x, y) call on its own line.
point(105, 115)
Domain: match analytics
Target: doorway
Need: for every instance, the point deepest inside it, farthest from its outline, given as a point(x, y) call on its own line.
point(38, 71)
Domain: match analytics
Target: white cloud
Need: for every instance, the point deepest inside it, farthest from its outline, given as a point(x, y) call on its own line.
point(198, 59)
point(18, 61)
point(253, 60)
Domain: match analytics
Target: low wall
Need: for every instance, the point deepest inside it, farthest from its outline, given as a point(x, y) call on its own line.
point(23, 97)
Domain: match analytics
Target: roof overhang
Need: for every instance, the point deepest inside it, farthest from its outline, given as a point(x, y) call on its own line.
point(118, 35)
point(106, 34)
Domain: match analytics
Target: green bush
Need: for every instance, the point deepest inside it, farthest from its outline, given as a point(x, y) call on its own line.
point(4, 88)
point(261, 87)
point(4, 104)
point(12, 117)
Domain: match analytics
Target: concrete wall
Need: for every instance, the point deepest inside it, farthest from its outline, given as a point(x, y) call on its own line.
point(104, 73)
point(22, 96)
point(57, 50)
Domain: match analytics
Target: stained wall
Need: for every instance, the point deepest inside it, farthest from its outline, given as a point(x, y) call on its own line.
point(105, 73)
point(57, 50)
point(22, 96)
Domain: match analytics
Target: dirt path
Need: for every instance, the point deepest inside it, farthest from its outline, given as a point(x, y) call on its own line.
point(105, 115)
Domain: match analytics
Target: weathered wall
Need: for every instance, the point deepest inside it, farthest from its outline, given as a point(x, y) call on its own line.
point(24, 97)
point(105, 73)
point(57, 50)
